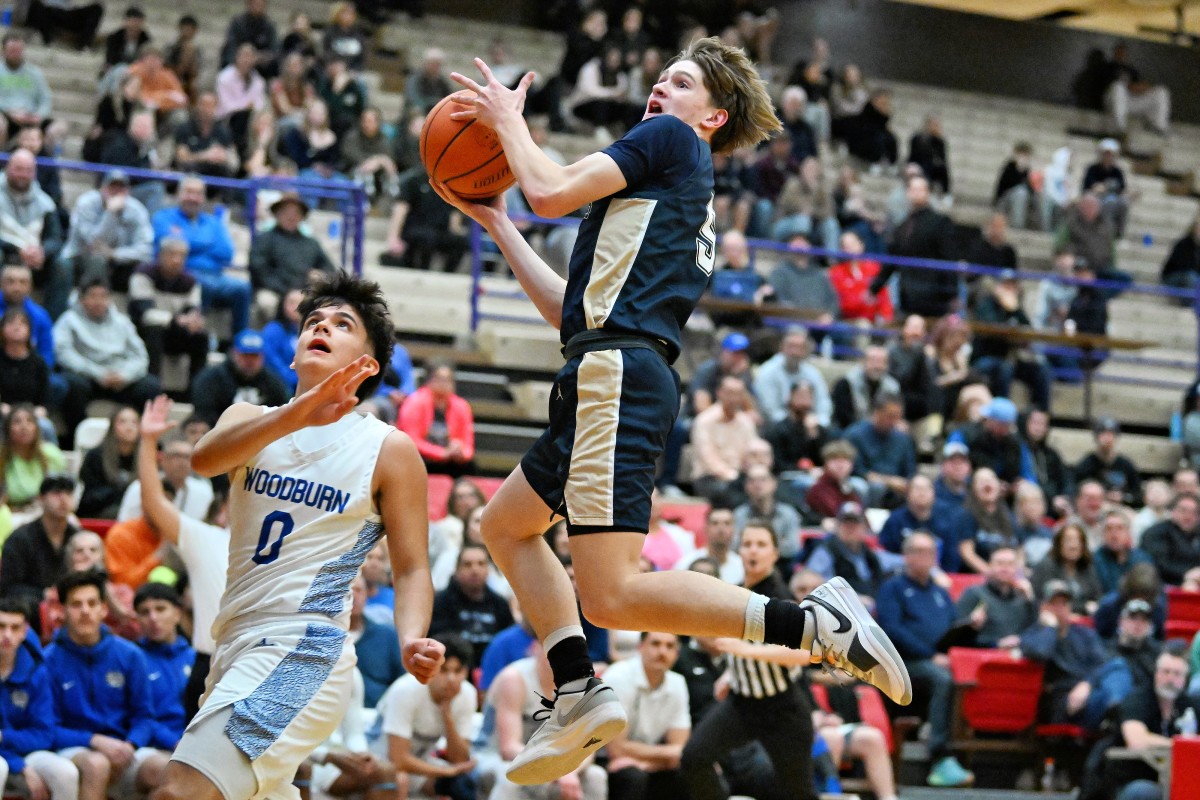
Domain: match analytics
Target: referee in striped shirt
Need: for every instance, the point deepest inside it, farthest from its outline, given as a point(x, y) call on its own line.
point(760, 692)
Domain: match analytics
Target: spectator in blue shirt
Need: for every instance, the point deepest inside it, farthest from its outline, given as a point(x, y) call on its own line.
point(279, 339)
point(737, 280)
point(27, 712)
point(886, 455)
point(1116, 555)
point(953, 482)
point(210, 250)
point(921, 512)
point(511, 644)
point(102, 696)
point(169, 658)
point(377, 646)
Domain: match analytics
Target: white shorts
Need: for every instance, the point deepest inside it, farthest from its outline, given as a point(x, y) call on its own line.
point(126, 783)
point(275, 691)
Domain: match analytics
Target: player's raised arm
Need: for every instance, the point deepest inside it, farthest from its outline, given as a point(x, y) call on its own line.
point(551, 189)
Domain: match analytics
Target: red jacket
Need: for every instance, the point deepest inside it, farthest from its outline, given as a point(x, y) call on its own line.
point(853, 295)
point(416, 416)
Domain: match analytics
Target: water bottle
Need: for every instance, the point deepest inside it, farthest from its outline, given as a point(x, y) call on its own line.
point(1147, 240)
point(1187, 723)
point(335, 229)
point(6, 16)
point(1048, 775)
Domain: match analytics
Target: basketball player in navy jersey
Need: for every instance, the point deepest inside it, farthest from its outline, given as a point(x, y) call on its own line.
point(643, 258)
point(314, 485)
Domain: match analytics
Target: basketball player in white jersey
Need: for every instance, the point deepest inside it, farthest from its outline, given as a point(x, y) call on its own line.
point(314, 485)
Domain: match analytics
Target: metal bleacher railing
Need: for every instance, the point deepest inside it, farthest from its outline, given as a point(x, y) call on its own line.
point(350, 199)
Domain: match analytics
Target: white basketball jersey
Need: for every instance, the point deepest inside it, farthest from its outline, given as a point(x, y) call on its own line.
point(302, 521)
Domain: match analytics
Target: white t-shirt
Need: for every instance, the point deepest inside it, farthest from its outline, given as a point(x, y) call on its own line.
point(407, 710)
point(732, 571)
point(204, 549)
point(192, 501)
point(652, 712)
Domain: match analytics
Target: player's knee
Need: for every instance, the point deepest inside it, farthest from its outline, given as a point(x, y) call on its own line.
point(491, 527)
point(603, 609)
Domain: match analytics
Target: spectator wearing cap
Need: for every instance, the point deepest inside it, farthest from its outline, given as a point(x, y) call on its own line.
point(34, 554)
point(242, 378)
point(992, 441)
point(855, 392)
point(887, 458)
point(284, 257)
point(98, 349)
point(1116, 473)
point(440, 423)
point(921, 514)
point(1131, 665)
point(998, 357)
point(210, 250)
point(1105, 179)
point(846, 554)
point(164, 304)
point(33, 234)
point(169, 656)
point(953, 482)
point(721, 435)
point(837, 483)
point(1002, 607)
point(109, 235)
point(1141, 582)
point(779, 373)
point(1174, 544)
point(122, 45)
point(1070, 651)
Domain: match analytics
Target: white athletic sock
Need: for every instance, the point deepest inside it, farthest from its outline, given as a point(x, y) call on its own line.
point(556, 636)
point(755, 626)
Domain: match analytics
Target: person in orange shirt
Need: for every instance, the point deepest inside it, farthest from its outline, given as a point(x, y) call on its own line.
point(161, 89)
point(852, 280)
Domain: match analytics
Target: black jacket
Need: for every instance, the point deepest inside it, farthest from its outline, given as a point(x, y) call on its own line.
point(929, 152)
point(1010, 177)
point(923, 234)
point(30, 563)
point(1121, 475)
point(115, 51)
point(1184, 258)
point(218, 387)
point(1172, 550)
point(281, 260)
point(1002, 456)
point(989, 310)
point(1052, 474)
point(477, 621)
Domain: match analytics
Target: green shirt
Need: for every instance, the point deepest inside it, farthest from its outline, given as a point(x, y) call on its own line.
point(23, 477)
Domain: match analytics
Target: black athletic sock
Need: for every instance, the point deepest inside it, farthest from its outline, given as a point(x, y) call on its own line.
point(784, 623)
point(570, 661)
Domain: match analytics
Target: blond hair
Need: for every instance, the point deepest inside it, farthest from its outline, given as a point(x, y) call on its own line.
point(735, 86)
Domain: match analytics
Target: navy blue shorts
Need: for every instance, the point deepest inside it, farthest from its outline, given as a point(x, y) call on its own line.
point(610, 413)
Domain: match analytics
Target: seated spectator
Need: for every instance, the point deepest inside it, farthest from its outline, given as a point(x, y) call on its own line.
point(33, 234)
point(343, 38)
point(773, 383)
point(25, 97)
point(927, 148)
point(949, 352)
point(381, 597)
point(1128, 94)
point(1018, 191)
point(53, 19)
point(1029, 515)
point(1090, 506)
point(1001, 608)
point(1157, 495)
point(193, 494)
point(915, 612)
point(720, 436)
point(169, 658)
point(300, 39)
point(134, 551)
point(27, 700)
point(423, 90)
point(773, 168)
point(847, 554)
point(1047, 467)
point(796, 283)
point(836, 485)
point(1090, 235)
point(1069, 563)
point(908, 361)
point(210, 250)
point(953, 483)
point(852, 280)
point(137, 148)
point(993, 248)
point(34, 555)
point(110, 235)
point(718, 546)
point(113, 112)
point(284, 258)
point(998, 357)
point(848, 96)
point(468, 606)
point(855, 392)
point(666, 544)
point(422, 226)
point(343, 94)
point(367, 155)
point(761, 503)
point(375, 644)
point(1131, 666)
point(123, 44)
point(1106, 180)
point(805, 207)
point(736, 279)
point(993, 442)
point(241, 91)
point(921, 514)
point(100, 353)
point(262, 153)
point(33, 139)
point(924, 233)
point(23, 372)
point(292, 92)
point(601, 91)
point(867, 134)
point(644, 760)
point(986, 523)
point(447, 534)
point(184, 57)
point(416, 717)
point(1141, 582)
point(159, 88)
point(1055, 293)
point(887, 458)
point(105, 729)
point(164, 304)
point(256, 28)
point(1071, 652)
point(26, 457)
point(204, 144)
point(241, 378)
point(1182, 267)
point(798, 438)
point(1113, 559)
point(1174, 545)
point(108, 468)
point(279, 339)
point(793, 113)
point(733, 197)
point(441, 424)
point(1116, 473)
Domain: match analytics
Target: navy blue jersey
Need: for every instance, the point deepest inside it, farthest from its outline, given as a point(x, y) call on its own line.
point(645, 254)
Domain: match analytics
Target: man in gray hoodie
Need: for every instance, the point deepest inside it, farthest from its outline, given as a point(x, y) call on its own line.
point(100, 353)
point(24, 94)
point(30, 230)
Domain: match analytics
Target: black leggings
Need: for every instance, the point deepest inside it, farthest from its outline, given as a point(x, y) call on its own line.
point(783, 724)
point(632, 783)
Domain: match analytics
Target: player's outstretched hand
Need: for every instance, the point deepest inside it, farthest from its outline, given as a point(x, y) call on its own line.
point(485, 212)
point(156, 417)
point(334, 397)
point(492, 101)
point(423, 658)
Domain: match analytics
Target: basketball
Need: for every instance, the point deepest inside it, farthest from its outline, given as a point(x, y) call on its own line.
point(464, 155)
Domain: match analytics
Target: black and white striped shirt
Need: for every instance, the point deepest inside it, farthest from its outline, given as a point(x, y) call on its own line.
point(756, 679)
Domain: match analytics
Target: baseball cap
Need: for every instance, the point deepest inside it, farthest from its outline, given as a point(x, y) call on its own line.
point(57, 482)
point(735, 342)
point(850, 510)
point(115, 176)
point(953, 449)
point(1110, 146)
point(1054, 589)
point(1136, 606)
point(248, 342)
point(1106, 424)
point(1001, 409)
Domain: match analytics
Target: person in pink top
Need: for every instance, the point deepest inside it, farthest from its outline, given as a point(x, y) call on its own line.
point(666, 543)
point(852, 280)
point(441, 424)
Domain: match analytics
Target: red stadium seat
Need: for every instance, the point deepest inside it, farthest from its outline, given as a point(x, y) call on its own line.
point(1005, 696)
point(1185, 768)
point(960, 581)
point(966, 661)
point(489, 486)
point(439, 495)
point(689, 516)
point(98, 526)
point(1183, 614)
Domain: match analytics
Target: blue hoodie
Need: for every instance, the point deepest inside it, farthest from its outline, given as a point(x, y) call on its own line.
point(103, 689)
point(170, 665)
point(26, 709)
point(916, 616)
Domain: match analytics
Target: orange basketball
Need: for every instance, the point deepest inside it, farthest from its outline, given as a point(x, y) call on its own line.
point(464, 155)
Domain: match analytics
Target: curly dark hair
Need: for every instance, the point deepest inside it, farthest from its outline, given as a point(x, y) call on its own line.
point(366, 298)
